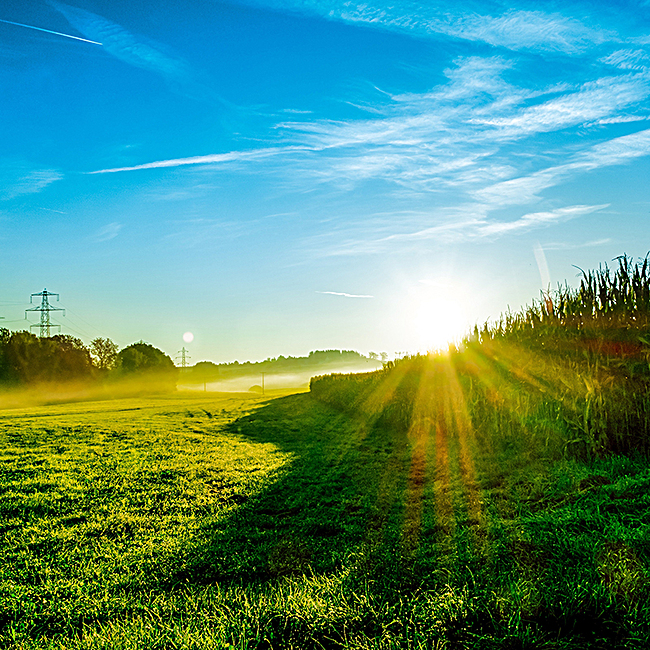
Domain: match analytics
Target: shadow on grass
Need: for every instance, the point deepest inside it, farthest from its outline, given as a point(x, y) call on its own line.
point(342, 490)
point(342, 505)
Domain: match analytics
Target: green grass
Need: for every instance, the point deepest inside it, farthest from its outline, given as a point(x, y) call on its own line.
point(494, 497)
point(214, 521)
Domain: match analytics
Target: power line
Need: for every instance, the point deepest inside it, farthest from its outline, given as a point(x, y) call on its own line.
point(80, 330)
point(72, 329)
point(83, 320)
point(45, 308)
point(47, 321)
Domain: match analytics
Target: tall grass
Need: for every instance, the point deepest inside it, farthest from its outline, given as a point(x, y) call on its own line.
point(607, 304)
point(568, 374)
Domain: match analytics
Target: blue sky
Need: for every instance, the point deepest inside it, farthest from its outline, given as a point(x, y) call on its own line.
point(279, 176)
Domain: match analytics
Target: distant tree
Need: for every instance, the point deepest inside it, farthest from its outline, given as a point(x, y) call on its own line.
point(203, 371)
point(144, 360)
point(373, 356)
point(384, 357)
point(23, 357)
point(104, 353)
point(5, 368)
point(141, 356)
point(70, 358)
point(27, 358)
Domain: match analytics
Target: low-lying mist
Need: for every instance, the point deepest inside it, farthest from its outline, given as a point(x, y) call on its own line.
point(160, 382)
point(272, 381)
point(44, 393)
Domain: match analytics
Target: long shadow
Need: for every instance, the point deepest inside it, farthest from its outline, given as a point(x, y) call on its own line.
point(343, 501)
point(342, 490)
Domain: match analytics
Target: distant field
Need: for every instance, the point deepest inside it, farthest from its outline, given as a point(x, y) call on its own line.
point(204, 520)
point(273, 380)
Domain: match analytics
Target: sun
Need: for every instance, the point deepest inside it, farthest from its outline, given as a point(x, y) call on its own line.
point(437, 315)
point(436, 324)
point(188, 337)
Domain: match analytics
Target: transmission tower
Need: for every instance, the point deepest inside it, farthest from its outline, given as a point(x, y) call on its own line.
point(45, 308)
point(184, 357)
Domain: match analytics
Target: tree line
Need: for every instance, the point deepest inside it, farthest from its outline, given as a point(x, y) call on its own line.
point(317, 359)
point(29, 359)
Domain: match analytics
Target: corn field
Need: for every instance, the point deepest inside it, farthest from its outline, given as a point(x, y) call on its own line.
point(567, 376)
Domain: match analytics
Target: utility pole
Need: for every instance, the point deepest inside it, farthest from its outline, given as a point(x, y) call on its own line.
point(184, 357)
point(45, 308)
point(263, 382)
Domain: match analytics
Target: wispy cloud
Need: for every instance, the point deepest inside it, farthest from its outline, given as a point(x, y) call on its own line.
point(591, 101)
point(53, 210)
point(451, 137)
point(138, 51)
point(512, 29)
point(470, 222)
point(534, 220)
point(519, 30)
point(526, 189)
point(616, 151)
point(565, 246)
point(345, 295)
point(620, 119)
point(231, 156)
point(458, 138)
point(489, 136)
point(18, 181)
point(628, 59)
point(195, 232)
point(109, 231)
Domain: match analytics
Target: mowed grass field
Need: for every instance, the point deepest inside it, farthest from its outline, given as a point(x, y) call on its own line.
point(239, 521)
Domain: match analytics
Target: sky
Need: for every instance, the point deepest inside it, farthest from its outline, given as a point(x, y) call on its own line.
point(281, 176)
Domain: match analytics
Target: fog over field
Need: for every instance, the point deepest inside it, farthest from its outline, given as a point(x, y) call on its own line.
point(272, 381)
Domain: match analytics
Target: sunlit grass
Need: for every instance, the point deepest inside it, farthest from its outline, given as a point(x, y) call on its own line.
point(510, 423)
point(492, 497)
point(176, 522)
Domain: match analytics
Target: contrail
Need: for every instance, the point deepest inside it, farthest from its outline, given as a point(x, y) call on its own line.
point(49, 31)
point(345, 295)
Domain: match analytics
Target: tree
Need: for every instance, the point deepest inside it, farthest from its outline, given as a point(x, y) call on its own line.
point(70, 358)
point(144, 360)
point(203, 371)
point(104, 353)
point(24, 358)
point(5, 368)
point(27, 358)
point(141, 357)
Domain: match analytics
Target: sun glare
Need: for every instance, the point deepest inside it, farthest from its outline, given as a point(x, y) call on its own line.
point(438, 315)
point(188, 337)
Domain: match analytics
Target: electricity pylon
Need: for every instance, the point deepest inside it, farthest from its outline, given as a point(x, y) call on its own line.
point(184, 357)
point(45, 308)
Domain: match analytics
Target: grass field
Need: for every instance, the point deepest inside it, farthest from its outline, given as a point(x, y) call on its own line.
point(239, 521)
